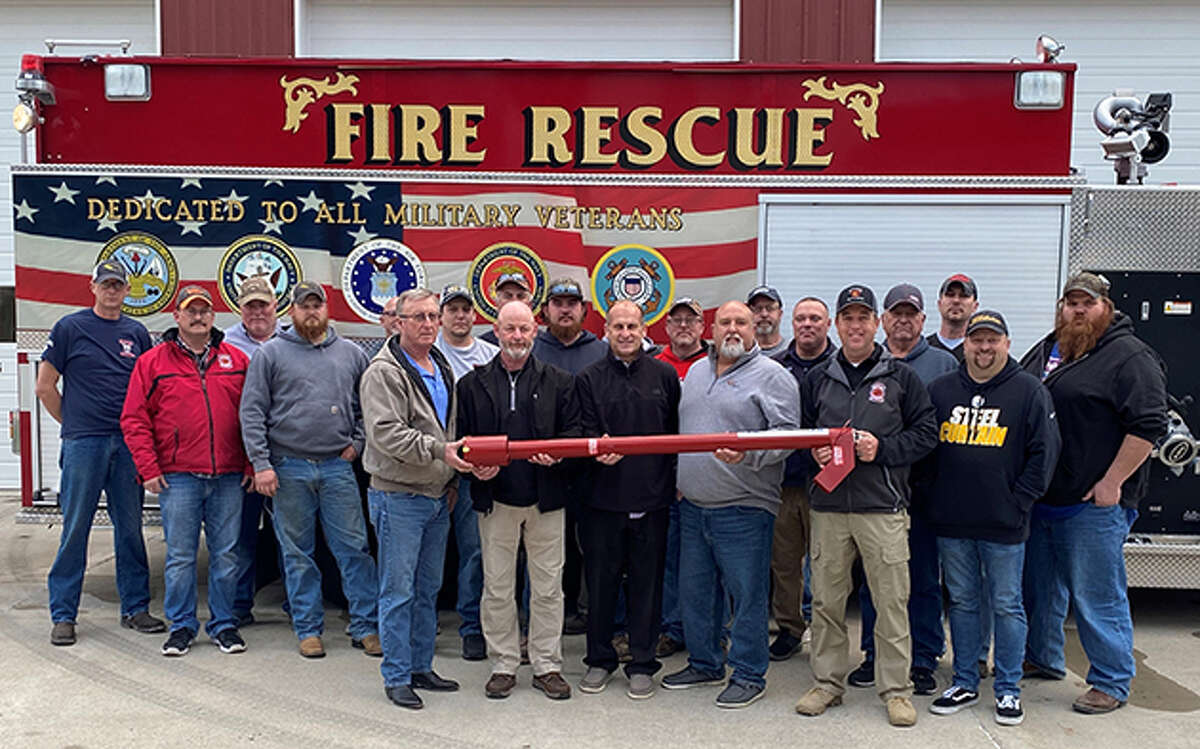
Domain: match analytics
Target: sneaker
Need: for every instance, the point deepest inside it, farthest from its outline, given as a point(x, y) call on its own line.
point(575, 624)
point(474, 648)
point(178, 642)
point(690, 677)
point(499, 686)
point(953, 700)
point(229, 641)
point(62, 633)
point(738, 695)
point(667, 646)
point(1008, 710)
point(595, 680)
point(923, 681)
point(620, 644)
point(1095, 702)
point(863, 676)
point(785, 646)
point(901, 712)
point(816, 701)
point(369, 645)
point(311, 647)
point(553, 686)
point(641, 687)
point(144, 623)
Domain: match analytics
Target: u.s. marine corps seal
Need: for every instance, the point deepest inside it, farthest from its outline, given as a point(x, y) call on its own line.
point(153, 274)
point(258, 255)
point(377, 270)
point(500, 259)
point(636, 273)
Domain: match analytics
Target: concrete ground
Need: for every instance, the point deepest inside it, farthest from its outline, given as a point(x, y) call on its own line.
point(114, 689)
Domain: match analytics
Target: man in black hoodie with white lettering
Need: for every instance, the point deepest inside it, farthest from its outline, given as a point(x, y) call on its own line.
point(997, 447)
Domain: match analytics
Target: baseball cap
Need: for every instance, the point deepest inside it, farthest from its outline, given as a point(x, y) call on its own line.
point(517, 278)
point(454, 291)
point(1093, 285)
point(107, 269)
point(564, 287)
point(986, 319)
point(256, 288)
point(305, 289)
point(963, 280)
point(856, 294)
point(904, 293)
point(767, 291)
point(686, 301)
point(191, 293)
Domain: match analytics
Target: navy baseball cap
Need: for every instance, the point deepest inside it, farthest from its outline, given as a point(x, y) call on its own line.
point(904, 293)
point(767, 291)
point(963, 280)
point(986, 319)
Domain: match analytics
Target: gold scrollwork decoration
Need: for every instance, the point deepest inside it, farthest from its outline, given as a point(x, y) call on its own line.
point(860, 98)
point(301, 92)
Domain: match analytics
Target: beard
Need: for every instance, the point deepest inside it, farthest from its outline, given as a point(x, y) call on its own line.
point(732, 347)
point(1076, 338)
point(563, 332)
point(765, 329)
point(312, 329)
point(514, 351)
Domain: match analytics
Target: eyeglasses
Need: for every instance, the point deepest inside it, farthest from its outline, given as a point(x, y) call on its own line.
point(683, 322)
point(388, 313)
point(420, 316)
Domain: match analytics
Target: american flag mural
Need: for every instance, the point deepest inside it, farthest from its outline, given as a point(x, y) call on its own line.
point(366, 240)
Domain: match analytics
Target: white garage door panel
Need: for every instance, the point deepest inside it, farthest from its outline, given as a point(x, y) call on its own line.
point(518, 29)
point(1011, 249)
point(1116, 44)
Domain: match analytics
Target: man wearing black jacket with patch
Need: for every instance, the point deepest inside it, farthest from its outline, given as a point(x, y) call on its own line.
point(997, 446)
point(1109, 392)
point(627, 499)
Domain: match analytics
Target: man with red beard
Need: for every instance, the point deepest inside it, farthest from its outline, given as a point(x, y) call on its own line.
point(1109, 391)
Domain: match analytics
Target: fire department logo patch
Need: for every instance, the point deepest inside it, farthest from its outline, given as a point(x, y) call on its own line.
point(877, 393)
point(636, 273)
point(153, 274)
point(377, 270)
point(224, 361)
point(500, 259)
point(264, 257)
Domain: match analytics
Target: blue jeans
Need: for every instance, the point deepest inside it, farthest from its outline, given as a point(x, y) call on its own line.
point(672, 624)
point(309, 489)
point(412, 531)
point(1080, 561)
point(246, 582)
point(470, 562)
point(975, 571)
point(725, 551)
point(89, 465)
point(188, 501)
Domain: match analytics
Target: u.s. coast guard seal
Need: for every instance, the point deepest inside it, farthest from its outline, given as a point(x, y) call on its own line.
point(377, 270)
point(153, 275)
point(258, 255)
point(500, 259)
point(637, 273)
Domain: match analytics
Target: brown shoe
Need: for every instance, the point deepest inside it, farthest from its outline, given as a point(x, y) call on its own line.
point(816, 701)
point(1095, 702)
point(311, 647)
point(369, 645)
point(901, 712)
point(62, 633)
point(553, 685)
point(499, 686)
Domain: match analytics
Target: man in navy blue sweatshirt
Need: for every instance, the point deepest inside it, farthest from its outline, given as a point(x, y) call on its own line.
point(995, 421)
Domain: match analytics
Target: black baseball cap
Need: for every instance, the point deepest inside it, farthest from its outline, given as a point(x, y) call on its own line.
point(856, 294)
point(986, 319)
point(305, 289)
point(767, 291)
point(454, 291)
point(107, 269)
point(963, 280)
point(904, 293)
point(568, 287)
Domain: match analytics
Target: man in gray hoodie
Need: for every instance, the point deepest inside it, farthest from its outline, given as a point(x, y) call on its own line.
point(727, 516)
point(302, 427)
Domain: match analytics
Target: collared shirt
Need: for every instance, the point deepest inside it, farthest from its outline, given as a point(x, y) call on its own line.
point(237, 335)
point(436, 386)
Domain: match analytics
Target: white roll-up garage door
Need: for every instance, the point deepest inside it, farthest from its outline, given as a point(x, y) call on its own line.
point(1012, 246)
point(518, 29)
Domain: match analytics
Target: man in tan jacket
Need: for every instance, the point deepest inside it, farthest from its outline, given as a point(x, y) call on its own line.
point(407, 396)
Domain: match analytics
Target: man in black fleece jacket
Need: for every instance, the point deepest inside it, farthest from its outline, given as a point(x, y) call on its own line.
point(997, 446)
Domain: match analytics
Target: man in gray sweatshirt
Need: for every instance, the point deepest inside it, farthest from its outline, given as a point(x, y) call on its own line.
point(302, 427)
point(727, 516)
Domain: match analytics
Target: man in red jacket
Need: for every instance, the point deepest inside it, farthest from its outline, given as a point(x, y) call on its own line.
point(181, 424)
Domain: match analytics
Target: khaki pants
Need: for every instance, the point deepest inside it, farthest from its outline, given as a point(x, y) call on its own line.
point(499, 536)
point(792, 528)
point(881, 539)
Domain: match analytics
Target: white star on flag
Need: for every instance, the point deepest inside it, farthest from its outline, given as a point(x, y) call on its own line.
point(233, 197)
point(62, 192)
point(192, 227)
point(149, 197)
point(106, 223)
point(191, 182)
point(362, 235)
point(270, 182)
point(359, 190)
point(24, 210)
point(109, 179)
point(272, 226)
point(311, 201)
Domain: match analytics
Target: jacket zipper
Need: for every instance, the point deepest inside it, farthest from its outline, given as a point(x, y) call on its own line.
point(212, 448)
point(175, 454)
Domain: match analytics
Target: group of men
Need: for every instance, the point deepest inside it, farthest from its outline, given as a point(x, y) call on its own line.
point(972, 470)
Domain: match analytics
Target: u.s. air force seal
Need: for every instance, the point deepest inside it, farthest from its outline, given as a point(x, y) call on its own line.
point(500, 259)
point(637, 273)
point(153, 275)
point(377, 270)
point(259, 256)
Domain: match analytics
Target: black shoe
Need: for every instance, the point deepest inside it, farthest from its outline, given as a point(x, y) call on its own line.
point(178, 642)
point(785, 646)
point(691, 677)
point(229, 641)
point(863, 676)
point(404, 696)
point(923, 681)
point(244, 620)
point(740, 695)
point(62, 633)
point(575, 624)
point(432, 682)
point(474, 648)
point(144, 623)
point(953, 700)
